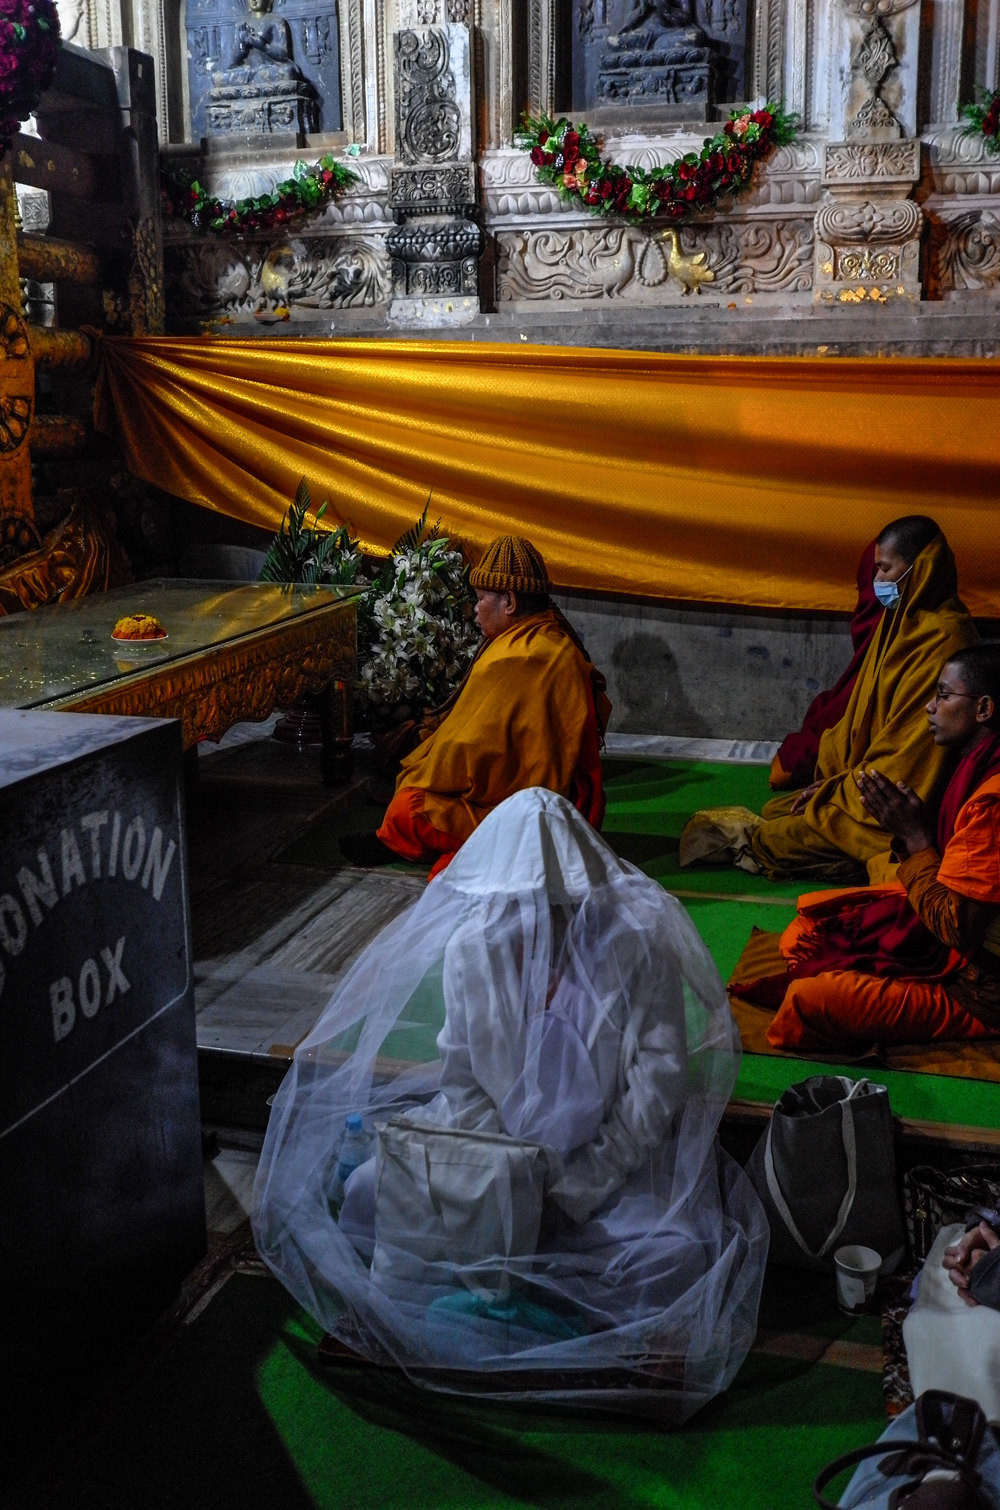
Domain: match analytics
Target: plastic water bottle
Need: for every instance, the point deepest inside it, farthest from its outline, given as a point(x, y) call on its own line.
point(355, 1148)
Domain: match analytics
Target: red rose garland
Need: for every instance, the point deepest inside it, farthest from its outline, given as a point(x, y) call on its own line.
point(984, 119)
point(29, 45)
point(308, 190)
point(569, 157)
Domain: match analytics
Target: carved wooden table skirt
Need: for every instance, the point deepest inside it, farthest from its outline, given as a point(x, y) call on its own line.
point(233, 651)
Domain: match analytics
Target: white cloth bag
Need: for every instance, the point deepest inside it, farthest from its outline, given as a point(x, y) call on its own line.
point(951, 1345)
point(447, 1199)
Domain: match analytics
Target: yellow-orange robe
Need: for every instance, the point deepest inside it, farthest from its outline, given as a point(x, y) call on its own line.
point(884, 725)
point(823, 1012)
point(530, 713)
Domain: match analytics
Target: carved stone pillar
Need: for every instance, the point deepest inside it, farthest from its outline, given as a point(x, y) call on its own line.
point(868, 233)
point(435, 245)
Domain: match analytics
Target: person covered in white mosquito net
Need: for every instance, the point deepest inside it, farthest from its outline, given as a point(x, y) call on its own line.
point(540, 1050)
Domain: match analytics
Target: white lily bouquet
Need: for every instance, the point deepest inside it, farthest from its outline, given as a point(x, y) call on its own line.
point(416, 628)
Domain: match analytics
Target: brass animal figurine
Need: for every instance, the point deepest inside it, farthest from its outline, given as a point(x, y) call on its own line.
point(689, 271)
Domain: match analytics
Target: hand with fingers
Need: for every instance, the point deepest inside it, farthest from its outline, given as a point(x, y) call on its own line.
point(896, 808)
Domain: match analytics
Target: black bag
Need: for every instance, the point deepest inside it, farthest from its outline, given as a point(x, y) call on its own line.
point(933, 1199)
point(825, 1171)
point(938, 1455)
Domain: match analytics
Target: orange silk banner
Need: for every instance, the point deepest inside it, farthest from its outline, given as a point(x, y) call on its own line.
point(735, 480)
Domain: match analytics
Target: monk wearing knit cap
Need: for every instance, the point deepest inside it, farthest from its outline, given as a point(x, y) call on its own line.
point(531, 712)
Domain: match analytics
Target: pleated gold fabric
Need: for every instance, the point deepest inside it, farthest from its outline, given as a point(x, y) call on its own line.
point(718, 479)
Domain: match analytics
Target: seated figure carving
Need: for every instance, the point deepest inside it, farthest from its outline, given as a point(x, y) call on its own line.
point(649, 23)
point(261, 50)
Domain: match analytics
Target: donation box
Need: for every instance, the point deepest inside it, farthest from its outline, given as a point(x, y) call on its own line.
point(101, 1179)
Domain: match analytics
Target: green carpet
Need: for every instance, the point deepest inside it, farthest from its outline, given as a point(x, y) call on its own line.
point(237, 1411)
point(649, 801)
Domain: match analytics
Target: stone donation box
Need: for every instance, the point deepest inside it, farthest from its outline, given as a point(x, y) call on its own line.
point(101, 1181)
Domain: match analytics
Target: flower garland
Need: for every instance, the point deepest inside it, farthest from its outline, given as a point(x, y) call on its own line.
point(29, 46)
point(569, 157)
point(984, 119)
point(307, 190)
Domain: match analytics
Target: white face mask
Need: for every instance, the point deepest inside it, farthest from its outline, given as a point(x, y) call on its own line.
point(888, 592)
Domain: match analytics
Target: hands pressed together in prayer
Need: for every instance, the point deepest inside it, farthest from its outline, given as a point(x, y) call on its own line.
point(897, 809)
point(961, 1258)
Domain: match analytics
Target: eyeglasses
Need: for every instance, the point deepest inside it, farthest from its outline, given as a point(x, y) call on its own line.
point(945, 694)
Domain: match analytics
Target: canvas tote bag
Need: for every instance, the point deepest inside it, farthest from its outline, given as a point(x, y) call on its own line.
point(452, 1206)
point(825, 1170)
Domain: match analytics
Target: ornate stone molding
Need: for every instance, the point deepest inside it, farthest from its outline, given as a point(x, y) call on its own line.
point(868, 251)
point(433, 95)
point(541, 43)
point(966, 251)
point(865, 9)
point(434, 248)
point(248, 281)
point(634, 265)
point(868, 236)
point(959, 164)
point(768, 63)
point(891, 165)
point(511, 190)
point(352, 70)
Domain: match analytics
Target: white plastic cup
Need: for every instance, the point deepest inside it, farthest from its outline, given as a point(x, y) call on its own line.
point(857, 1272)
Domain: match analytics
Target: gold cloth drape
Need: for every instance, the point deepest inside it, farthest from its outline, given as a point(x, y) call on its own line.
point(720, 479)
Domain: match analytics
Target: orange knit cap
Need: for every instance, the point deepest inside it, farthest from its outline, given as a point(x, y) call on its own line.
point(511, 564)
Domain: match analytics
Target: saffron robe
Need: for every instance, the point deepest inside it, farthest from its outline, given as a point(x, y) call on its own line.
point(794, 764)
point(531, 712)
point(884, 725)
point(926, 950)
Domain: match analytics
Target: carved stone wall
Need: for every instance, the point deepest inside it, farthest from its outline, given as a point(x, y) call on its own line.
point(880, 201)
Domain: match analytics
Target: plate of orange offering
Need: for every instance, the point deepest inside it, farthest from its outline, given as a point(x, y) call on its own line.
point(139, 626)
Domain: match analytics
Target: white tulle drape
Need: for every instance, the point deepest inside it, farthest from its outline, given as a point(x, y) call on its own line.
point(540, 990)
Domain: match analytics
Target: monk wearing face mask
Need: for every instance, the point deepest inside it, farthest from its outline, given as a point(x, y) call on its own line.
point(824, 831)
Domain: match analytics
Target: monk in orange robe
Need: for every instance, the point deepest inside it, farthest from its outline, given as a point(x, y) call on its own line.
point(825, 830)
point(917, 961)
point(531, 712)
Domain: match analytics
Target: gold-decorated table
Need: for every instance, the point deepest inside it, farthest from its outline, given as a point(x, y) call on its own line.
point(234, 651)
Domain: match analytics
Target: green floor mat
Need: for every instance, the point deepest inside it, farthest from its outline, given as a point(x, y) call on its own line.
point(649, 801)
point(238, 1411)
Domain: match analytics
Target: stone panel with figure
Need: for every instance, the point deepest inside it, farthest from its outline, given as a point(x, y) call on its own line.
point(661, 53)
point(263, 67)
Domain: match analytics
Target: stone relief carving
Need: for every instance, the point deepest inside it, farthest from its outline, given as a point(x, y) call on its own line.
point(263, 66)
point(896, 220)
point(966, 251)
point(434, 248)
point(431, 124)
point(883, 8)
point(960, 164)
point(224, 279)
point(873, 61)
point(260, 90)
point(863, 161)
point(869, 243)
point(647, 51)
point(767, 76)
point(637, 265)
